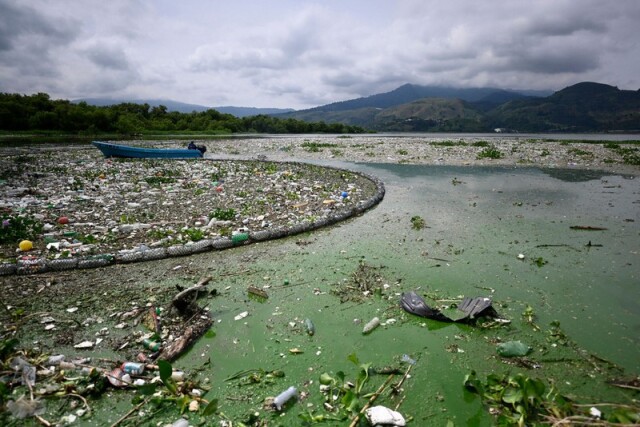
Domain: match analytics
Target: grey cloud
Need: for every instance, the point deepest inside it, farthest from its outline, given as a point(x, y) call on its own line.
point(110, 57)
point(19, 25)
point(549, 62)
point(563, 25)
point(218, 57)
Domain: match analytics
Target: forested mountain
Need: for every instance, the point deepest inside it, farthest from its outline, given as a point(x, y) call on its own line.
point(584, 107)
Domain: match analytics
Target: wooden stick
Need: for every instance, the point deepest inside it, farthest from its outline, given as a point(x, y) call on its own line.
point(125, 416)
point(42, 421)
point(396, 387)
point(354, 422)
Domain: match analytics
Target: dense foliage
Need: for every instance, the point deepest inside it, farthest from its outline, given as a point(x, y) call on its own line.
point(40, 113)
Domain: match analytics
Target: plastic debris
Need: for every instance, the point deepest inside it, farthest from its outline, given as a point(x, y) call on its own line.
point(26, 369)
point(284, 397)
point(241, 315)
point(407, 359)
point(476, 307)
point(25, 245)
point(151, 345)
point(311, 328)
point(133, 368)
point(118, 378)
point(381, 415)
point(513, 349)
point(24, 408)
point(84, 345)
point(371, 325)
point(180, 423)
point(471, 307)
point(414, 304)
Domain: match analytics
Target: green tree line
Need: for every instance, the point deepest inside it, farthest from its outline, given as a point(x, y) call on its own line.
point(40, 113)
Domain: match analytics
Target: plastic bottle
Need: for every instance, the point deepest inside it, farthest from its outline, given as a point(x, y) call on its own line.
point(284, 397)
point(239, 237)
point(311, 329)
point(180, 423)
point(55, 360)
point(133, 368)
point(373, 323)
point(151, 345)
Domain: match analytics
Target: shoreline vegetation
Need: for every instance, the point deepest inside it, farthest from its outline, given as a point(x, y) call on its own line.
point(38, 113)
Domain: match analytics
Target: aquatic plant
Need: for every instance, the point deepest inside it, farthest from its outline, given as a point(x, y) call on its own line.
point(223, 214)
point(490, 152)
point(521, 400)
point(417, 222)
point(14, 228)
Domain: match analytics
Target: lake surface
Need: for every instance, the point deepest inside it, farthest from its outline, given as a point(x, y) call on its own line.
point(478, 220)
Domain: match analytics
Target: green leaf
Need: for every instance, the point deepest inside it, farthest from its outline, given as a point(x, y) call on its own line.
point(472, 383)
point(533, 389)
point(165, 370)
point(353, 358)
point(350, 401)
point(211, 408)
point(7, 346)
point(326, 379)
point(183, 403)
point(512, 395)
point(147, 389)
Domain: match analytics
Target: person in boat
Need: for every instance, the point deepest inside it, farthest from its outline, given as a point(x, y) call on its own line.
point(192, 146)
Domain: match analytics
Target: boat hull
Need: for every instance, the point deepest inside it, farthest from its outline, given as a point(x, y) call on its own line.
point(126, 151)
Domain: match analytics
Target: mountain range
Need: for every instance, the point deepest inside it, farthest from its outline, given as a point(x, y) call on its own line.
point(583, 107)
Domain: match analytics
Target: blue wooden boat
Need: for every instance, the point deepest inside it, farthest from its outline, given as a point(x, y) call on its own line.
point(117, 150)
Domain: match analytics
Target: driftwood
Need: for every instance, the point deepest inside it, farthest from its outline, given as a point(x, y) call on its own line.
point(185, 301)
point(196, 320)
point(257, 291)
point(194, 329)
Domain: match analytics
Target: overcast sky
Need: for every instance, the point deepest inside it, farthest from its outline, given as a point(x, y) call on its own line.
point(300, 54)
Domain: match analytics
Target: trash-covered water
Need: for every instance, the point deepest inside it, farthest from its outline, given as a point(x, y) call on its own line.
point(504, 233)
point(546, 246)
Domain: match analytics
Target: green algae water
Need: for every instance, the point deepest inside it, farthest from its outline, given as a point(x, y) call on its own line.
point(564, 243)
point(560, 245)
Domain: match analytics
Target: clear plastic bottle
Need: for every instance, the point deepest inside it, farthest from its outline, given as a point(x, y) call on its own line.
point(373, 323)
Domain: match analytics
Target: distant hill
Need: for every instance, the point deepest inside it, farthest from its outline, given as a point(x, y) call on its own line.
point(182, 107)
point(371, 111)
point(410, 92)
point(584, 107)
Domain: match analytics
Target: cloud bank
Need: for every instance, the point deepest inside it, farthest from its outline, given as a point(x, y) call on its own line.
point(301, 54)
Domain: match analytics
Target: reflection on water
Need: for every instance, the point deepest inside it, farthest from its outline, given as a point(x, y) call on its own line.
point(589, 279)
point(574, 175)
